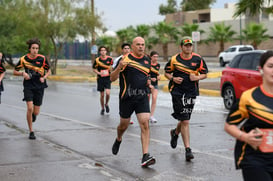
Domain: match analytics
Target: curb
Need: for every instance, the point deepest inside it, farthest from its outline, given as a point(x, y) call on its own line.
point(163, 80)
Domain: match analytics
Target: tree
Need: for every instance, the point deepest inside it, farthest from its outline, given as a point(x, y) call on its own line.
point(165, 34)
point(252, 7)
point(255, 33)
point(108, 41)
point(187, 29)
point(220, 33)
point(169, 8)
point(191, 5)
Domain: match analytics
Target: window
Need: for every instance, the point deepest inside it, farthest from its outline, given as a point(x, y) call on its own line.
point(234, 63)
point(256, 61)
point(242, 49)
point(246, 62)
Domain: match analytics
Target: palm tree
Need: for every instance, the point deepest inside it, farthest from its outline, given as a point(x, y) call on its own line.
point(255, 33)
point(220, 33)
point(107, 41)
point(187, 29)
point(165, 34)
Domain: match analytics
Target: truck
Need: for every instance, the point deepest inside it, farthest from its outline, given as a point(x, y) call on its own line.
point(226, 56)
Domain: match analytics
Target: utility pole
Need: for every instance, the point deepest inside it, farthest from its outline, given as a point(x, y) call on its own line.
point(94, 48)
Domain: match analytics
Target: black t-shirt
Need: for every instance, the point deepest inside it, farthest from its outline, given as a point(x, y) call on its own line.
point(181, 67)
point(155, 72)
point(255, 110)
point(133, 78)
point(103, 65)
point(36, 67)
point(2, 70)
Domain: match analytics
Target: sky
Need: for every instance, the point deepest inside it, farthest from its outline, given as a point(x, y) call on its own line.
point(119, 14)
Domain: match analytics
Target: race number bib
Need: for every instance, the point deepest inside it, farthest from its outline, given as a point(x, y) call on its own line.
point(267, 143)
point(104, 73)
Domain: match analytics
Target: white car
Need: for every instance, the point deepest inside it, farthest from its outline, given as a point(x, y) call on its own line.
point(227, 55)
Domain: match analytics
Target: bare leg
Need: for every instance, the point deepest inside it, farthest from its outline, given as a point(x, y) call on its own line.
point(143, 120)
point(29, 114)
point(185, 133)
point(36, 110)
point(107, 91)
point(102, 99)
point(154, 98)
point(123, 125)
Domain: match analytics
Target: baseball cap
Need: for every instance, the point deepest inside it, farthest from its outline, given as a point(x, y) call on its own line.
point(186, 40)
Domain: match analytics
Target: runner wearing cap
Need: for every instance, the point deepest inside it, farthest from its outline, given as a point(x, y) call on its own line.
point(184, 70)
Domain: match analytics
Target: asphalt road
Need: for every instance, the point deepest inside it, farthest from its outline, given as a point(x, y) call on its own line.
point(74, 141)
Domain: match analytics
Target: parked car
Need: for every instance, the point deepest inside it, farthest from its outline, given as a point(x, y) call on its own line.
point(241, 74)
point(227, 55)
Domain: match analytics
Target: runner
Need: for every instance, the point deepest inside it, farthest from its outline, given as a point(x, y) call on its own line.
point(133, 72)
point(184, 70)
point(2, 74)
point(36, 71)
point(254, 112)
point(155, 77)
point(102, 67)
point(126, 48)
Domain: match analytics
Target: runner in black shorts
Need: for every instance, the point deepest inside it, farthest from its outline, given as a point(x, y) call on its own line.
point(184, 70)
point(133, 72)
point(254, 115)
point(36, 71)
point(102, 67)
point(2, 74)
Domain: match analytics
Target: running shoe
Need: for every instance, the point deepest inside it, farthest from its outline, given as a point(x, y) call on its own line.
point(153, 120)
point(147, 160)
point(115, 147)
point(102, 112)
point(32, 136)
point(189, 154)
point(107, 108)
point(174, 138)
point(33, 117)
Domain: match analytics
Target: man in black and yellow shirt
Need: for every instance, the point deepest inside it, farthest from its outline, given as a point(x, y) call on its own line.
point(184, 70)
point(133, 72)
point(2, 74)
point(36, 71)
point(102, 67)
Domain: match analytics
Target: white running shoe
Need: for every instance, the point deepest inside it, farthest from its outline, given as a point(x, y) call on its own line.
point(153, 120)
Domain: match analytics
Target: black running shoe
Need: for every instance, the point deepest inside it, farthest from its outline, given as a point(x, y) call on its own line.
point(32, 136)
point(107, 108)
point(174, 138)
point(102, 112)
point(147, 160)
point(189, 154)
point(115, 147)
point(33, 117)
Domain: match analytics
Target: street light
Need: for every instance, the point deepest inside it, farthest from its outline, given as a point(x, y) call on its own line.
point(93, 40)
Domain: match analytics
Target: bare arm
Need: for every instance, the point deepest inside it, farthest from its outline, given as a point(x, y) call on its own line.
point(24, 74)
point(252, 138)
point(194, 77)
point(2, 76)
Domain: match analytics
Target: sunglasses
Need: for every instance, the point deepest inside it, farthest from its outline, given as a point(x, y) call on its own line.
point(187, 41)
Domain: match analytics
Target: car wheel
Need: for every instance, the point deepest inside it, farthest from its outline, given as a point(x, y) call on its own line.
point(229, 97)
point(222, 63)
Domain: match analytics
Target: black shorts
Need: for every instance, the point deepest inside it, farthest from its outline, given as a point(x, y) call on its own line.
point(182, 107)
point(103, 83)
point(128, 106)
point(35, 95)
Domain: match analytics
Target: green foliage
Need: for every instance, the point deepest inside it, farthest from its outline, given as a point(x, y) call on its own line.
point(191, 5)
point(169, 8)
point(255, 33)
point(52, 21)
point(221, 33)
point(253, 7)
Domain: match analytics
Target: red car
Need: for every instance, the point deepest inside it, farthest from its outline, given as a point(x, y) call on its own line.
point(241, 74)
